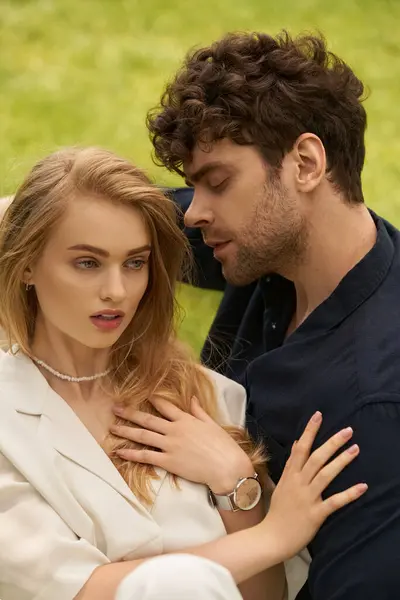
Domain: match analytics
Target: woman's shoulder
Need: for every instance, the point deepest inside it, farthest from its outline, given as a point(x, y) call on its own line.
point(4, 204)
point(5, 376)
point(19, 387)
point(11, 367)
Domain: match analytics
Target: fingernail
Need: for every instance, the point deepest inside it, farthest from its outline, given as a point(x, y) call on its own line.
point(346, 433)
point(118, 409)
point(121, 453)
point(353, 449)
point(317, 417)
point(362, 487)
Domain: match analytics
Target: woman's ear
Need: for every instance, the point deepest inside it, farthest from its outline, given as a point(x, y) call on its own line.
point(28, 277)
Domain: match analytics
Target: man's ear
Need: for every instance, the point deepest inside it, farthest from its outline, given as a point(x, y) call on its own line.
point(309, 155)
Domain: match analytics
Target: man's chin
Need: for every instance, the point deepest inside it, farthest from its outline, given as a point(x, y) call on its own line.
point(236, 276)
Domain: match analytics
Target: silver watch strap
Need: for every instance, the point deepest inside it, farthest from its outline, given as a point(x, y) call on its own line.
point(226, 502)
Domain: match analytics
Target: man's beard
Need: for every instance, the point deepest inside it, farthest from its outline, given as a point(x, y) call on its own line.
point(274, 240)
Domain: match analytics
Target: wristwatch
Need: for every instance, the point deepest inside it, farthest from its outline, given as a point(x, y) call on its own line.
point(245, 496)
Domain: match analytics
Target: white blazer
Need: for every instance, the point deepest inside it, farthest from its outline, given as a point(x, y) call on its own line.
point(65, 509)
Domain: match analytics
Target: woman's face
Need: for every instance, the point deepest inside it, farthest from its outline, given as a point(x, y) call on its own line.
point(93, 271)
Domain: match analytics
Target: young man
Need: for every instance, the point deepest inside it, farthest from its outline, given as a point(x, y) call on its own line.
point(269, 133)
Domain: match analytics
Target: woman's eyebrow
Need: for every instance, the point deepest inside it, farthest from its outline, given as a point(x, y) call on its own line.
point(104, 253)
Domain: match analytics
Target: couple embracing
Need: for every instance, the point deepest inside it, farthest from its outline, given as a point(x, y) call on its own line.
point(127, 470)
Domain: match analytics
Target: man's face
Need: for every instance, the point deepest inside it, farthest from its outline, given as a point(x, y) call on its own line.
point(245, 211)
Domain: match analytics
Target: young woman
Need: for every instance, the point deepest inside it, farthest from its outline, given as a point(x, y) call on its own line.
point(89, 256)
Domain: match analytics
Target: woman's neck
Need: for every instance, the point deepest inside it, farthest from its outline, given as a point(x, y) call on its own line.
point(65, 355)
point(92, 400)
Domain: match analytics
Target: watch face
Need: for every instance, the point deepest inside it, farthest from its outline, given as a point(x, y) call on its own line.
point(248, 494)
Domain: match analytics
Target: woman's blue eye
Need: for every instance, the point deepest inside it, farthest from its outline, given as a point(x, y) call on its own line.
point(86, 263)
point(136, 264)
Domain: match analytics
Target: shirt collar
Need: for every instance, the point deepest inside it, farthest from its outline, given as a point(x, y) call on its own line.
point(354, 289)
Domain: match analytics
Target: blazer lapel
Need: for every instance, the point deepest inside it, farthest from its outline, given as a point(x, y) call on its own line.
point(32, 459)
point(60, 427)
point(69, 437)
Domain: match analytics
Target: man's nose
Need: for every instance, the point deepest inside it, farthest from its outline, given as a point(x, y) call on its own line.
point(113, 287)
point(199, 213)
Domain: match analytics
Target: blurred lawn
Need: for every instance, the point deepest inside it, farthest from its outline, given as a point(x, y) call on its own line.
point(86, 72)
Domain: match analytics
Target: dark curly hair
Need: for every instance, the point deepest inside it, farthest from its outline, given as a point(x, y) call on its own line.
point(266, 91)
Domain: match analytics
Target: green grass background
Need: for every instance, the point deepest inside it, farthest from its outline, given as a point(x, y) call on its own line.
point(87, 71)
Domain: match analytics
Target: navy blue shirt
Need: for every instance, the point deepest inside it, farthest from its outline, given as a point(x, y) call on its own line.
point(345, 361)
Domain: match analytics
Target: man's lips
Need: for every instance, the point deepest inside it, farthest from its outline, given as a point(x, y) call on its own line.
point(219, 247)
point(216, 243)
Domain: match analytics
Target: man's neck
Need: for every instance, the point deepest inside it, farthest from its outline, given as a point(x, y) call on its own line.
point(339, 238)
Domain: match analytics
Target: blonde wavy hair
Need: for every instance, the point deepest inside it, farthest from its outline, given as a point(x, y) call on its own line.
point(147, 359)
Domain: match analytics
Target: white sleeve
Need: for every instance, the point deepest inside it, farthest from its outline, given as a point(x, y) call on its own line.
point(231, 398)
point(41, 558)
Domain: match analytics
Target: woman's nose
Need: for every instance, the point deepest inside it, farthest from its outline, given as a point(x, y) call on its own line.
point(113, 287)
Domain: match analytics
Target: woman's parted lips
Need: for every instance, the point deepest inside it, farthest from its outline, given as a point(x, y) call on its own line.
point(108, 312)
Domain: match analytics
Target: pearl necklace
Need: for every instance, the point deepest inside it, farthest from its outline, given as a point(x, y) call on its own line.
point(64, 377)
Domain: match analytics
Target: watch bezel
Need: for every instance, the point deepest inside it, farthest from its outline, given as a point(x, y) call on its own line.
point(230, 501)
point(240, 484)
